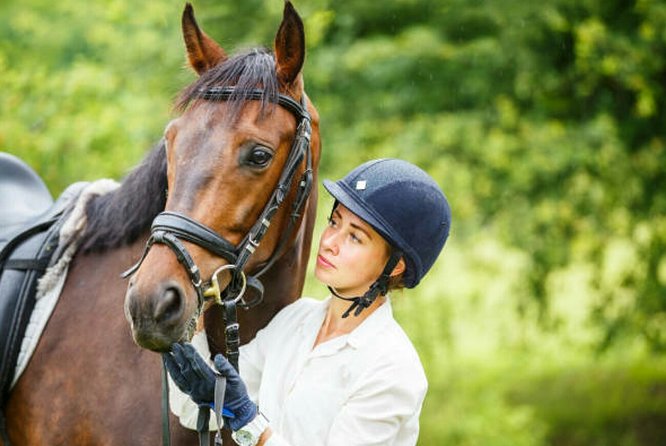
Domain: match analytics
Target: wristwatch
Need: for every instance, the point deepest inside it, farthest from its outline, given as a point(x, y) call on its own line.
point(249, 434)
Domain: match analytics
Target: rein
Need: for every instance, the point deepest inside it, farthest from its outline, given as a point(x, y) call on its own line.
point(171, 228)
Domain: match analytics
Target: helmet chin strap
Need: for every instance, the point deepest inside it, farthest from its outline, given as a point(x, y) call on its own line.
point(378, 287)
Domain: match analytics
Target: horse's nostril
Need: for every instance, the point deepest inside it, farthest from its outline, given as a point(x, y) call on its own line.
point(170, 307)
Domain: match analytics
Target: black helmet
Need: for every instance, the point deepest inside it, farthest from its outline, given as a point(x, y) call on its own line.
point(404, 205)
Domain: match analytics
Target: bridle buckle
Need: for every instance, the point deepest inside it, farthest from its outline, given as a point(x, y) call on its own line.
point(214, 292)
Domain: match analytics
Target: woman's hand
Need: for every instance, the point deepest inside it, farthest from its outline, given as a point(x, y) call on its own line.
point(236, 398)
point(194, 377)
point(191, 373)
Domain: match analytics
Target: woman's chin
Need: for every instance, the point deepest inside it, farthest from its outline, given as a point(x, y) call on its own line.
point(324, 276)
point(342, 289)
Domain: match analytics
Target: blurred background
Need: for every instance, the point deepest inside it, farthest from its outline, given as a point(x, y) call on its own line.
point(544, 321)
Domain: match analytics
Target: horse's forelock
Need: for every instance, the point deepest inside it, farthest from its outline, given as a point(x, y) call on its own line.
point(122, 216)
point(245, 72)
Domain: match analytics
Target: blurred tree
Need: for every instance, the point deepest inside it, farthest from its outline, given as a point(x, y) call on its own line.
point(544, 122)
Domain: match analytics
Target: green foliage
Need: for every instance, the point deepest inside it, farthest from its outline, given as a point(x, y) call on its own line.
point(77, 102)
point(500, 379)
point(542, 121)
point(615, 404)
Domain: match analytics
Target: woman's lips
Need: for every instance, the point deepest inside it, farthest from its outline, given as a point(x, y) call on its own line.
point(324, 262)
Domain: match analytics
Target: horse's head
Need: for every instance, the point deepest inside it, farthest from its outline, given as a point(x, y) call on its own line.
point(237, 166)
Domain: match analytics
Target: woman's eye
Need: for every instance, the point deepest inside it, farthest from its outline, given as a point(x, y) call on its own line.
point(259, 157)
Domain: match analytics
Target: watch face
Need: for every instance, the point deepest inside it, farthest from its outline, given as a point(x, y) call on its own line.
point(244, 438)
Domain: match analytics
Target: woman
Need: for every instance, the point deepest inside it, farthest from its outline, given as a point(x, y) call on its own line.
point(339, 371)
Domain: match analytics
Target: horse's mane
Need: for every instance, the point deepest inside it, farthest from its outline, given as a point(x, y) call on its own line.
point(122, 216)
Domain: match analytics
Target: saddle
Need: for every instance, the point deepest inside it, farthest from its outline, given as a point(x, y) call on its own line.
point(30, 224)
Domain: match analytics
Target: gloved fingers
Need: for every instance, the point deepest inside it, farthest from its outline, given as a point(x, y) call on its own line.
point(192, 365)
point(183, 361)
point(190, 353)
point(244, 412)
point(188, 370)
point(178, 354)
point(184, 353)
point(174, 371)
point(171, 365)
point(198, 364)
point(223, 366)
point(177, 348)
point(235, 385)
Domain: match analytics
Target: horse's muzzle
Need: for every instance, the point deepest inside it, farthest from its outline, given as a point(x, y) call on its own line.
point(158, 319)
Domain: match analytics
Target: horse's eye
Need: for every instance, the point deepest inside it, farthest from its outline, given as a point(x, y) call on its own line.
point(259, 157)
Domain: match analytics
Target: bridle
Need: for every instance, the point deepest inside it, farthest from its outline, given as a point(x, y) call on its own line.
point(171, 228)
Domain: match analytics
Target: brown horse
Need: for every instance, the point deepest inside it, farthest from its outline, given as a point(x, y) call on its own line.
point(217, 165)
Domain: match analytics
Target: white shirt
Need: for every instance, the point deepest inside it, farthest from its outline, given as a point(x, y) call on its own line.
point(364, 388)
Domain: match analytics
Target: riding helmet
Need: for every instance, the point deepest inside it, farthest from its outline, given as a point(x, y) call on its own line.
point(404, 205)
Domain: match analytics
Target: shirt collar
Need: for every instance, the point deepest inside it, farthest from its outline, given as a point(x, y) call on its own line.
point(370, 327)
point(361, 334)
point(313, 321)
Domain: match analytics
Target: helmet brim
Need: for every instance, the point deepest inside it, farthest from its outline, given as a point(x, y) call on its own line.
point(358, 208)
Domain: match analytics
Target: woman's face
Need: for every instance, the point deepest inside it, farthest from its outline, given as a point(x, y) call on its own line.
point(351, 254)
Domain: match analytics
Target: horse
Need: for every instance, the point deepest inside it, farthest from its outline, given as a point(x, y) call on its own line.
point(94, 377)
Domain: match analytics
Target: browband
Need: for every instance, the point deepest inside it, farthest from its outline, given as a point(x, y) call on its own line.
point(225, 93)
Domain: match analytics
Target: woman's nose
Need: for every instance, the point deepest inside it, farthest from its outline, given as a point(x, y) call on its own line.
point(329, 241)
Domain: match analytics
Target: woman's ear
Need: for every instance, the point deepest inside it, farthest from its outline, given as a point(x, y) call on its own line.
point(399, 268)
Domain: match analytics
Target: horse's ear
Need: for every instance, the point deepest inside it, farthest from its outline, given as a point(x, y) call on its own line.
point(289, 46)
point(203, 53)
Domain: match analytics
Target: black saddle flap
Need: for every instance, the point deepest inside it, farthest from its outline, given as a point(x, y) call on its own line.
point(24, 256)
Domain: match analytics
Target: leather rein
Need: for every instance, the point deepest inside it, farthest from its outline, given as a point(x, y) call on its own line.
point(171, 228)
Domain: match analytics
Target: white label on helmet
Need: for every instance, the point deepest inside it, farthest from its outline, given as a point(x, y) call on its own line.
point(360, 185)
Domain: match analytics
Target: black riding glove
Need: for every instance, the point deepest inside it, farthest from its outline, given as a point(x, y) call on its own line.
point(191, 373)
point(194, 377)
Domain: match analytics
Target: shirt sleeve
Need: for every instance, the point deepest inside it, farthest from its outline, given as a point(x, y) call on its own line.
point(251, 363)
point(377, 412)
point(276, 440)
